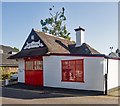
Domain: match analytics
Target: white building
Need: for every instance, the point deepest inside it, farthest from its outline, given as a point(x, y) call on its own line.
point(47, 60)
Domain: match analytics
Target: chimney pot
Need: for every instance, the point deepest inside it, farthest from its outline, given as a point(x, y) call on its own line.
point(80, 28)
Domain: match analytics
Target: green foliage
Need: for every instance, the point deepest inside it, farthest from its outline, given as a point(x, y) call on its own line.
point(73, 41)
point(16, 49)
point(13, 73)
point(6, 76)
point(1, 68)
point(55, 24)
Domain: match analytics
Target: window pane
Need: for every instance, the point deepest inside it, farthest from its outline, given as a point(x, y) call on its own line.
point(72, 75)
point(38, 65)
point(29, 65)
point(79, 70)
point(41, 65)
point(79, 75)
point(35, 65)
point(65, 75)
point(72, 70)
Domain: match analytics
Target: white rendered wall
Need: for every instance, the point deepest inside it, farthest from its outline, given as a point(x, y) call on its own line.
point(93, 73)
point(21, 71)
point(113, 74)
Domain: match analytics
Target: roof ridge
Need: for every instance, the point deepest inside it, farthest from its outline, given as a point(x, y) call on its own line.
point(5, 46)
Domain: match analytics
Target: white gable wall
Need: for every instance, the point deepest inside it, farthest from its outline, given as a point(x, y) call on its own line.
point(21, 71)
point(93, 73)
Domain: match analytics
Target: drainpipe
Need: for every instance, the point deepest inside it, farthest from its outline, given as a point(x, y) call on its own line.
point(106, 79)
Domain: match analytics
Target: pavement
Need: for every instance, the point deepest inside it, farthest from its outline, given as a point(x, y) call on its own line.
point(26, 94)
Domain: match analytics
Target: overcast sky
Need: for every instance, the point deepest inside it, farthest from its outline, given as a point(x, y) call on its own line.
point(100, 21)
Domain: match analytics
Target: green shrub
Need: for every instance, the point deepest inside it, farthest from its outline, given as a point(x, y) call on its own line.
point(13, 73)
point(5, 76)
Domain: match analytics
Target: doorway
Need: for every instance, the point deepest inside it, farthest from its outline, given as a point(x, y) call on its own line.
point(34, 71)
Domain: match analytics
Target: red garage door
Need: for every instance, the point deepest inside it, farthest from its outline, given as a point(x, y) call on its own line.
point(34, 71)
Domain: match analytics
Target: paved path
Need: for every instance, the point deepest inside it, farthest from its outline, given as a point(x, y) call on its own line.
point(23, 96)
point(64, 100)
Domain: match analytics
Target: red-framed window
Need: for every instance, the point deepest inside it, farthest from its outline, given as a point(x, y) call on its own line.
point(33, 64)
point(73, 70)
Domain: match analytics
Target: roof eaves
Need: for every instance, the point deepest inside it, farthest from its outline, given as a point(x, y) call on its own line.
point(89, 55)
point(115, 58)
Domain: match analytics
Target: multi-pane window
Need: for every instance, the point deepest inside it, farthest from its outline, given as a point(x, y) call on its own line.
point(72, 70)
point(38, 65)
point(34, 65)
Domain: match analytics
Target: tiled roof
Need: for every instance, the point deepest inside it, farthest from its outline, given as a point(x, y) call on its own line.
point(7, 49)
point(55, 44)
point(60, 45)
point(83, 49)
point(30, 53)
point(5, 54)
point(7, 62)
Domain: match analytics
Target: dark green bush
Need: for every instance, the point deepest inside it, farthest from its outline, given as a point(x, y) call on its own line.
point(5, 76)
point(13, 73)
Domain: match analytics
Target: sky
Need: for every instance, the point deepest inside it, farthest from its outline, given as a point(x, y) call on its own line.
point(100, 20)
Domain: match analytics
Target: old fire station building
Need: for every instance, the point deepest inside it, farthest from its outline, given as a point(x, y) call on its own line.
point(48, 60)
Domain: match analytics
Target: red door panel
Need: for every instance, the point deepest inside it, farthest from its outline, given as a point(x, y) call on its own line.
point(29, 77)
point(38, 78)
point(33, 75)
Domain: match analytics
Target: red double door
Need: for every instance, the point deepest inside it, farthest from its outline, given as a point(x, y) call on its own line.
point(34, 71)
